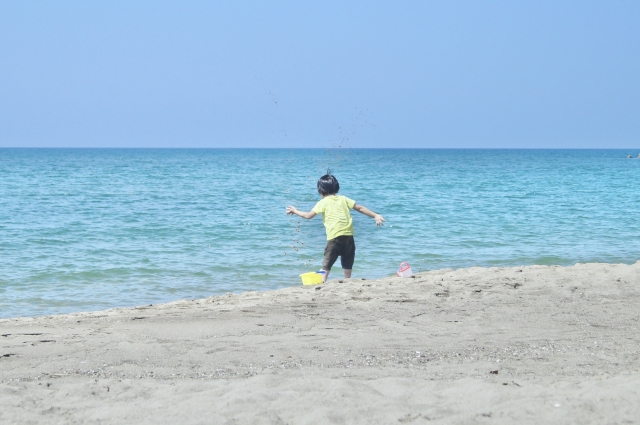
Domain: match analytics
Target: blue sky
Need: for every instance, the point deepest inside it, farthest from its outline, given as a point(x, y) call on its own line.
point(423, 74)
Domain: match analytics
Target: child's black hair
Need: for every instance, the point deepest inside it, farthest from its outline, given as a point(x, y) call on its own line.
point(328, 184)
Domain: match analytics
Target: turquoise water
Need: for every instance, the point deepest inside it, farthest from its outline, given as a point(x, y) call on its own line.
point(92, 229)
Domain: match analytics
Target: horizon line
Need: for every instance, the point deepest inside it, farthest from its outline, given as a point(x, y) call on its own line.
point(299, 148)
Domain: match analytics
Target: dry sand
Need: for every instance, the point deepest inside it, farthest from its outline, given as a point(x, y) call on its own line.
point(501, 345)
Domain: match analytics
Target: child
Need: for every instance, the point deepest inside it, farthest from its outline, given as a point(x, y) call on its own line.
point(338, 222)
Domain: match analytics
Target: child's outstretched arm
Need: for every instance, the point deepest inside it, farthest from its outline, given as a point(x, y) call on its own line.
point(294, 210)
point(366, 211)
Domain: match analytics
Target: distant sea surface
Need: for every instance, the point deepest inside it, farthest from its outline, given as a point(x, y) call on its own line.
point(90, 229)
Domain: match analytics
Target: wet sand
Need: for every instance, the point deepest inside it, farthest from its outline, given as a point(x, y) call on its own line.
point(498, 345)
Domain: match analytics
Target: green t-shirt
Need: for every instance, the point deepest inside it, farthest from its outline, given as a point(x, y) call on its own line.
point(335, 215)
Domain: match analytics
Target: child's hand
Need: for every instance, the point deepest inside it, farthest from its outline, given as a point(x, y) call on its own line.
point(379, 219)
point(294, 210)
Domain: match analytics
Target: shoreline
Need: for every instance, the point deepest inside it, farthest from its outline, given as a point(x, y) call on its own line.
point(361, 351)
point(332, 280)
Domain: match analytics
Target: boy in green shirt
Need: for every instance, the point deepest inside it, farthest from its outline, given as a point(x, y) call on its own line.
point(338, 223)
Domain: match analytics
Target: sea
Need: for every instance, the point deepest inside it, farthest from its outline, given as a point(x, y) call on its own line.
point(91, 229)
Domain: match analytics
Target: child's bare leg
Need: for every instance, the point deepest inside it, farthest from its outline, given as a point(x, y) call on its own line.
point(347, 273)
point(326, 274)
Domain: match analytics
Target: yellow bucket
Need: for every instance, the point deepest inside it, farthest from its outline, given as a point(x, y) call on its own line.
point(312, 278)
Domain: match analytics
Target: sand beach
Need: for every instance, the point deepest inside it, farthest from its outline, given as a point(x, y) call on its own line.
point(536, 344)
